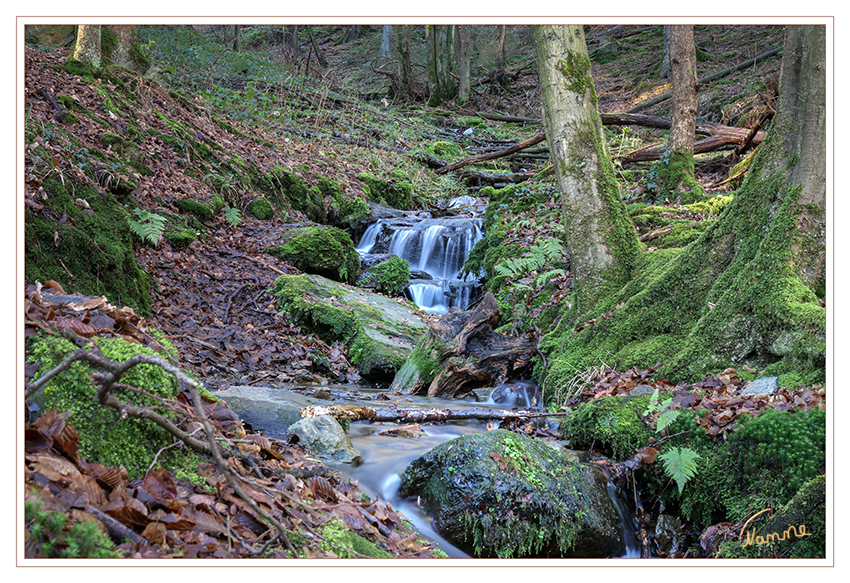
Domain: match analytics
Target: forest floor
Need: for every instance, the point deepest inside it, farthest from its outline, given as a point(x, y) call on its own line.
point(212, 299)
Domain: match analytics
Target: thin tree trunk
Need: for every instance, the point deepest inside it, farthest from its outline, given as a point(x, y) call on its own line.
point(386, 33)
point(405, 72)
point(462, 56)
point(665, 57)
point(313, 42)
point(502, 38)
point(536, 139)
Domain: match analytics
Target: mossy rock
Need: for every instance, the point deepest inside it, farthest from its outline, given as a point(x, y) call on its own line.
point(378, 332)
point(326, 251)
point(346, 544)
point(389, 277)
point(396, 192)
point(287, 191)
point(443, 149)
point(261, 208)
point(612, 423)
point(105, 437)
point(499, 494)
point(194, 208)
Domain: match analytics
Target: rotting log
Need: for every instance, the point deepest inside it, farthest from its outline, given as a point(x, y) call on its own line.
point(395, 415)
point(462, 352)
point(532, 141)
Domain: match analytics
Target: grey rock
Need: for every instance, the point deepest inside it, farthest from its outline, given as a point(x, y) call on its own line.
point(642, 390)
point(762, 386)
point(326, 439)
point(266, 409)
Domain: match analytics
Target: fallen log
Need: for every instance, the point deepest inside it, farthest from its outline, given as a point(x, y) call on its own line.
point(532, 141)
point(707, 79)
point(392, 414)
point(709, 144)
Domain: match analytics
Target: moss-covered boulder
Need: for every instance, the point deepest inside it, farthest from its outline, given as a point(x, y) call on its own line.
point(500, 494)
point(261, 208)
point(325, 251)
point(379, 332)
point(91, 252)
point(105, 437)
point(389, 276)
point(395, 192)
point(610, 423)
point(194, 208)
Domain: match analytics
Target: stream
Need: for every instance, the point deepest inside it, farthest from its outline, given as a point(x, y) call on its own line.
point(384, 458)
point(436, 249)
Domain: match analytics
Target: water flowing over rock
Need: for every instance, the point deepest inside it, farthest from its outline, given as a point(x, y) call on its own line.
point(501, 494)
point(436, 246)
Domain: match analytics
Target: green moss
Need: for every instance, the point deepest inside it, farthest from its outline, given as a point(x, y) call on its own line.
point(445, 149)
point(289, 191)
point(674, 175)
point(261, 208)
point(346, 544)
point(105, 437)
point(326, 251)
point(217, 204)
point(390, 277)
point(89, 253)
point(197, 209)
point(613, 423)
point(575, 69)
point(395, 192)
point(52, 535)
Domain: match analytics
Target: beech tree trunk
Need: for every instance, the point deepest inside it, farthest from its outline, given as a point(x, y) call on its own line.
point(664, 73)
point(405, 71)
point(440, 60)
point(87, 49)
point(600, 237)
point(127, 36)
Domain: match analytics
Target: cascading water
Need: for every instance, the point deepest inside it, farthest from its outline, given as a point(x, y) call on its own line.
point(436, 249)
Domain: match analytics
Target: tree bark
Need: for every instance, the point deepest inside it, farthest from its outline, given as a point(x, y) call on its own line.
point(676, 174)
point(462, 47)
point(600, 237)
point(386, 33)
point(127, 36)
point(405, 71)
point(664, 73)
point(88, 49)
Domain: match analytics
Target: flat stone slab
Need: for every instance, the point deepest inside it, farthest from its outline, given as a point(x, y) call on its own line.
point(267, 409)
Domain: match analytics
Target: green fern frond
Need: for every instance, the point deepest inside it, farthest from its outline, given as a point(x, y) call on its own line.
point(680, 464)
point(149, 226)
point(232, 216)
point(545, 277)
point(665, 420)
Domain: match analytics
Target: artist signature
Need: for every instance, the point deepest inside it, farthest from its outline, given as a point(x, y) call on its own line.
point(797, 531)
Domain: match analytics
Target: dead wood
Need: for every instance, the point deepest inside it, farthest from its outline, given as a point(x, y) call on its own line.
point(709, 144)
point(708, 79)
point(534, 140)
point(392, 414)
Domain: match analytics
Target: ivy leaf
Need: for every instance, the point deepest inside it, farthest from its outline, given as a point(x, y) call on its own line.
point(680, 464)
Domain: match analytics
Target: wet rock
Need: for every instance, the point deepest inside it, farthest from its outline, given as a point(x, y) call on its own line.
point(517, 394)
point(266, 409)
point(326, 439)
point(501, 494)
point(762, 386)
point(669, 536)
point(642, 390)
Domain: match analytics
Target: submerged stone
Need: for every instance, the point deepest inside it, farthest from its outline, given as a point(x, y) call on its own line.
point(500, 494)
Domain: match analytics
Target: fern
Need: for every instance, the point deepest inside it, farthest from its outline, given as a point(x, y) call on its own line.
point(544, 277)
point(680, 464)
point(231, 215)
point(548, 250)
point(149, 226)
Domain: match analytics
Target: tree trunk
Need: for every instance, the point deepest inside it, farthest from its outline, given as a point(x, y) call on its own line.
point(405, 71)
point(600, 238)
point(88, 49)
point(386, 33)
point(749, 290)
point(664, 73)
point(502, 38)
point(127, 36)
point(440, 50)
point(676, 172)
point(462, 47)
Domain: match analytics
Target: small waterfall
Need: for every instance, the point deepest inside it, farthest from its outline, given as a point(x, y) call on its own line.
point(436, 250)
